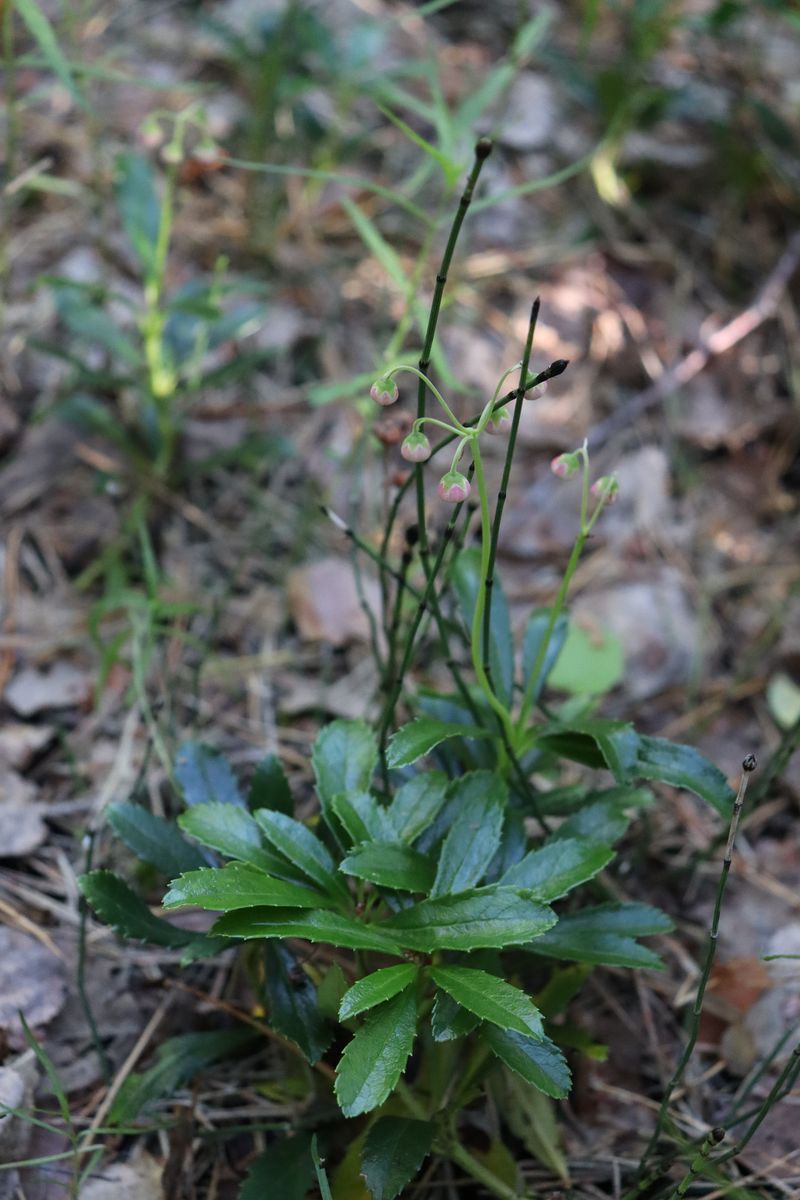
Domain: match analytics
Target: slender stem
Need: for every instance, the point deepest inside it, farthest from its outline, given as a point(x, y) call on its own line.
point(712, 1140)
point(788, 1074)
point(748, 1084)
point(694, 1025)
point(83, 909)
point(394, 625)
point(425, 381)
point(488, 581)
point(462, 1158)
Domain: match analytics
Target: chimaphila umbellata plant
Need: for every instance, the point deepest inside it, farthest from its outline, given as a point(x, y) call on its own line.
point(434, 884)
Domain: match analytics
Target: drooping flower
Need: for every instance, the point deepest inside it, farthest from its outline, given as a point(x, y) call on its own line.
point(416, 448)
point(453, 487)
point(606, 488)
point(537, 392)
point(384, 392)
point(565, 465)
point(500, 421)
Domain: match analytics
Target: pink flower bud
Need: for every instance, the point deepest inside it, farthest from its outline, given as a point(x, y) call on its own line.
point(564, 465)
point(537, 392)
point(605, 488)
point(500, 421)
point(384, 392)
point(453, 487)
point(416, 448)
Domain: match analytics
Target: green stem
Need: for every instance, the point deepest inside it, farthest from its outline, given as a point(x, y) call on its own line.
point(462, 1158)
point(697, 1164)
point(788, 1075)
point(425, 381)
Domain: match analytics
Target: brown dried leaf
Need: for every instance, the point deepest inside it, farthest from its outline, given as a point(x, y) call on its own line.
point(31, 982)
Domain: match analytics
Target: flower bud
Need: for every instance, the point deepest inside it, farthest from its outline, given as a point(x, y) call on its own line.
point(453, 487)
point(605, 488)
point(537, 392)
point(416, 448)
point(500, 421)
point(384, 392)
point(152, 134)
point(565, 465)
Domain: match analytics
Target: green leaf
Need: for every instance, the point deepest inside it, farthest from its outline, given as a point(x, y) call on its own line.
point(685, 767)
point(292, 1000)
point(597, 743)
point(530, 1116)
point(178, 1061)
point(489, 916)
point(364, 820)
point(590, 662)
point(315, 925)
point(139, 205)
point(391, 866)
point(449, 1020)
point(416, 804)
point(42, 33)
point(375, 988)
point(375, 242)
point(205, 776)
point(238, 886)
point(605, 934)
point(489, 998)
point(422, 735)
point(344, 759)
point(604, 821)
point(480, 799)
point(374, 1060)
point(285, 1170)
point(232, 831)
point(154, 840)
point(451, 170)
point(93, 324)
point(466, 581)
point(269, 787)
point(537, 1060)
point(535, 632)
point(394, 1150)
point(127, 914)
point(558, 867)
point(296, 842)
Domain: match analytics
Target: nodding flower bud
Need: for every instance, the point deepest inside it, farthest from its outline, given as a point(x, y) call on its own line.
point(453, 487)
point(384, 392)
point(537, 392)
point(416, 448)
point(565, 465)
point(500, 421)
point(605, 488)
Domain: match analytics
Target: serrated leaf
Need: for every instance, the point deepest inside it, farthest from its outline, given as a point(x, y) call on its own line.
point(416, 804)
point(112, 899)
point(394, 1150)
point(363, 818)
point(269, 787)
point(344, 758)
point(138, 204)
point(390, 866)
point(474, 835)
point(375, 988)
point(590, 662)
point(489, 998)
point(605, 934)
point(449, 1020)
point(303, 848)
point(239, 886)
point(315, 925)
point(154, 840)
point(422, 735)
point(685, 767)
point(597, 743)
point(535, 632)
point(285, 1170)
point(558, 867)
point(604, 821)
point(374, 1060)
point(292, 1000)
point(482, 917)
point(204, 776)
point(232, 831)
point(466, 582)
point(537, 1060)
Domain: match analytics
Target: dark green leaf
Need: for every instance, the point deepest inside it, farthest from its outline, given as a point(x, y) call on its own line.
point(292, 1000)
point(489, 916)
point(285, 1170)
point(421, 736)
point(121, 908)
point(296, 842)
point(364, 820)
point(139, 206)
point(205, 776)
point(154, 840)
point(558, 867)
point(375, 988)
point(536, 1060)
point(390, 866)
point(239, 886)
point(489, 998)
point(466, 581)
point(394, 1150)
point(685, 767)
point(605, 934)
point(93, 324)
point(374, 1060)
point(597, 743)
point(535, 632)
point(344, 758)
point(416, 804)
point(449, 1020)
point(269, 787)
point(315, 925)
point(604, 821)
point(232, 831)
point(474, 835)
